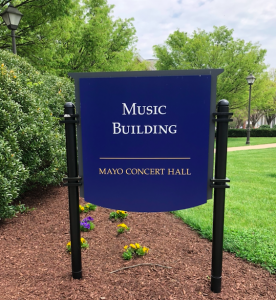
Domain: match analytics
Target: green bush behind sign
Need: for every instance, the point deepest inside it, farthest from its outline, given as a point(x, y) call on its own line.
point(32, 143)
point(253, 132)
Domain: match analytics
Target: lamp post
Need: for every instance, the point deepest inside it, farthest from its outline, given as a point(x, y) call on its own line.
point(12, 17)
point(250, 80)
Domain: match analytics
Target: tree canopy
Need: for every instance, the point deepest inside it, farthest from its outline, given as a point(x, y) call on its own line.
point(214, 50)
point(80, 37)
point(263, 99)
point(36, 13)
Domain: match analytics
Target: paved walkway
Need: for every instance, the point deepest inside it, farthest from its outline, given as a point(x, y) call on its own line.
point(252, 147)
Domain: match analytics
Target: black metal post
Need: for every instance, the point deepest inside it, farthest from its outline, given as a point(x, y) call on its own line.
point(13, 41)
point(73, 191)
point(248, 124)
point(219, 194)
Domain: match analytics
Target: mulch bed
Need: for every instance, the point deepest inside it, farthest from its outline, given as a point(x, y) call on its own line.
point(35, 265)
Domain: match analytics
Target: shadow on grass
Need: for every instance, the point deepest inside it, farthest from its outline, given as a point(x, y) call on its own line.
point(272, 175)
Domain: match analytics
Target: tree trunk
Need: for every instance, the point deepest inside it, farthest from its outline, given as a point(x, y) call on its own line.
point(269, 118)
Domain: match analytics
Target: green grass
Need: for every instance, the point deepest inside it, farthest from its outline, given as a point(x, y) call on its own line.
point(240, 141)
point(250, 208)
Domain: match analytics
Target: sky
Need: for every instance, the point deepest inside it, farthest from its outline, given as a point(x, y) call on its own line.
point(252, 20)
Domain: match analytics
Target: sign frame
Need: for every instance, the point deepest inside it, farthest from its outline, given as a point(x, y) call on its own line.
point(212, 72)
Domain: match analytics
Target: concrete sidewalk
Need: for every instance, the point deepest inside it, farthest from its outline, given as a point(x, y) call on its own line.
point(252, 147)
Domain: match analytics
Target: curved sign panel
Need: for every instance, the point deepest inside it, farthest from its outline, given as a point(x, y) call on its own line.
point(146, 139)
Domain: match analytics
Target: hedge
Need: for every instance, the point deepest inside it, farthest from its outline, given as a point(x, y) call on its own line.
point(32, 143)
point(253, 132)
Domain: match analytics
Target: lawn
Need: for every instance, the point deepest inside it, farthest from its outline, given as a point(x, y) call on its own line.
point(250, 208)
point(240, 141)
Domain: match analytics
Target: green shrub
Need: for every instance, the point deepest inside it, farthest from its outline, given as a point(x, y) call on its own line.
point(32, 143)
point(264, 127)
point(253, 132)
point(263, 132)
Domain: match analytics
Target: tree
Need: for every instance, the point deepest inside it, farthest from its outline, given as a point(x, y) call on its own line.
point(239, 116)
point(256, 114)
point(84, 39)
point(262, 103)
point(214, 50)
point(36, 13)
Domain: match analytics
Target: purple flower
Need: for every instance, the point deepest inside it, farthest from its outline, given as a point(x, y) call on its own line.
point(86, 225)
point(88, 219)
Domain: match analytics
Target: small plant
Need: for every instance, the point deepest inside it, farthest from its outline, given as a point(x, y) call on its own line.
point(21, 208)
point(86, 224)
point(122, 228)
point(118, 214)
point(81, 208)
point(83, 244)
point(134, 250)
point(89, 206)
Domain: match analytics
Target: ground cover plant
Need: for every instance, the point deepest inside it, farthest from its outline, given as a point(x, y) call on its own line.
point(250, 208)
point(83, 244)
point(86, 224)
point(87, 207)
point(118, 214)
point(122, 228)
point(134, 250)
point(240, 141)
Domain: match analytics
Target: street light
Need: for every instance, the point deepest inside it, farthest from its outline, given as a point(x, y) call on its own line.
point(250, 80)
point(12, 17)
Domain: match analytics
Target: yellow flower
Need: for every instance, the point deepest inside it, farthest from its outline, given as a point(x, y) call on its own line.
point(83, 240)
point(2, 65)
point(69, 244)
point(132, 246)
point(122, 225)
point(82, 208)
point(117, 211)
point(12, 155)
point(145, 249)
point(137, 245)
point(14, 76)
point(125, 247)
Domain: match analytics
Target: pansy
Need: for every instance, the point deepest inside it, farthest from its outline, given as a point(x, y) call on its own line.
point(145, 249)
point(134, 250)
point(86, 225)
point(122, 225)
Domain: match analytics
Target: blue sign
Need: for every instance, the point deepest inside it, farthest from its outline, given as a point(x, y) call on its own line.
point(146, 139)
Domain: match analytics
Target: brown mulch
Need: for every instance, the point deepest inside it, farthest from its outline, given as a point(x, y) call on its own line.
point(35, 265)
